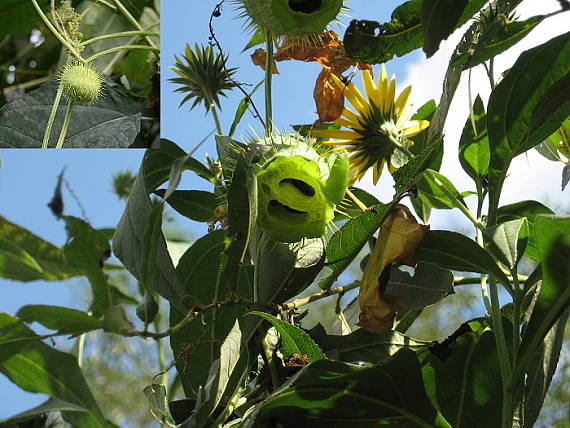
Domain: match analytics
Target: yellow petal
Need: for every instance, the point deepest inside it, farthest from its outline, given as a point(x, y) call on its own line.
point(382, 88)
point(391, 94)
point(350, 115)
point(347, 123)
point(337, 143)
point(403, 100)
point(369, 84)
point(414, 127)
point(351, 93)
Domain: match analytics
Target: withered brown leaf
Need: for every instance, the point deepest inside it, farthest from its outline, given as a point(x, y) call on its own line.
point(398, 240)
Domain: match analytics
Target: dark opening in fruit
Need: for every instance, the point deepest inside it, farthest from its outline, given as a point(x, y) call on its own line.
point(305, 6)
point(285, 214)
point(300, 185)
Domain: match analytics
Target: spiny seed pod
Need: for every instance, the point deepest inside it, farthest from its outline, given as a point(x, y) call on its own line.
point(298, 189)
point(81, 83)
point(291, 17)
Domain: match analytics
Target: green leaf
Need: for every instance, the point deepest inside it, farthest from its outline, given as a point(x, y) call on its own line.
point(197, 205)
point(431, 187)
point(541, 370)
point(36, 367)
point(48, 406)
point(257, 38)
point(183, 163)
point(461, 375)
point(64, 320)
point(426, 112)
point(474, 143)
point(529, 210)
point(18, 18)
point(284, 270)
point(361, 345)
point(488, 47)
point(87, 252)
point(26, 257)
point(455, 251)
point(294, 340)
point(151, 238)
point(529, 104)
point(138, 67)
point(158, 163)
point(158, 403)
point(439, 19)
point(114, 121)
point(404, 175)
point(229, 152)
point(201, 275)
point(554, 297)
point(349, 395)
point(128, 241)
point(507, 241)
point(427, 286)
point(349, 240)
point(373, 43)
point(565, 176)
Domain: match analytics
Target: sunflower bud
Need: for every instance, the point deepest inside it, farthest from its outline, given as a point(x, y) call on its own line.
point(292, 17)
point(298, 189)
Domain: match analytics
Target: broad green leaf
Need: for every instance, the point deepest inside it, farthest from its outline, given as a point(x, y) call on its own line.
point(18, 18)
point(87, 252)
point(361, 345)
point(455, 251)
point(182, 163)
point(128, 242)
point(348, 394)
point(349, 240)
point(348, 206)
point(295, 340)
point(198, 342)
point(373, 43)
point(439, 19)
point(197, 205)
point(229, 152)
point(26, 257)
point(36, 367)
point(284, 270)
point(508, 240)
point(64, 320)
point(151, 238)
point(48, 406)
point(114, 121)
point(493, 43)
point(529, 104)
point(426, 112)
point(404, 175)
point(461, 375)
point(225, 376)
point(434, 189)
point(529, 210)
point(553, 235)
point(138, 67)
point(158, 403)
point(541, 370)
point(427, 286)
point(474, 143)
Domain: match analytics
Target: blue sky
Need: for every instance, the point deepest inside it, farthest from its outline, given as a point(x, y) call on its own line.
point(27, 177)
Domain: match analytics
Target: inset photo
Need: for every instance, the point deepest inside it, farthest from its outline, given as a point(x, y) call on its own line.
point(79, 74)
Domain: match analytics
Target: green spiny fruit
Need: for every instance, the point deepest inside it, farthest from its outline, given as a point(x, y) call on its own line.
point(81, 83)
point(298, 189)
point(291, 17)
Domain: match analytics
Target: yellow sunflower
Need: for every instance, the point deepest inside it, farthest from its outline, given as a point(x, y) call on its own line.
point(378, 130)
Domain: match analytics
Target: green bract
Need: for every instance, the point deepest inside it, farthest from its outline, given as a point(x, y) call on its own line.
point(298, 189)
point(292, 17)
point(81, 83)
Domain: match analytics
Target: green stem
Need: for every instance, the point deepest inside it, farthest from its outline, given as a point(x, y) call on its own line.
point(160, 355)
point(121, 34)
point(107, 5)
point(56, 33)
point(516, 315)
point(53, 113)
point(216, 118)
point(268, 81)
point(66, 120)
point(28, 84)
point(121, 48)
point(275, 380)
point(134, 22)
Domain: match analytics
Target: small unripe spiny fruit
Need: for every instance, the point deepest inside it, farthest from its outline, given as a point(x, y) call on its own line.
point(81, 83)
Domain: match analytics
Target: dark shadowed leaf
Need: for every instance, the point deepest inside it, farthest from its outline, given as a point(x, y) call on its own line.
point(326, 391)
point(439, 19)
point(508, 240)
point(408, 172)
point(36, 367)
point(197, 205)
point(428, 285)
point(18, 18)
point(113, 122)
point(62, 319)
point(565, 176)
point(48, 406)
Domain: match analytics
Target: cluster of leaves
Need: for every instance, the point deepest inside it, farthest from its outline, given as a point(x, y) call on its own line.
point(240, 353)
point(32, 58)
